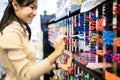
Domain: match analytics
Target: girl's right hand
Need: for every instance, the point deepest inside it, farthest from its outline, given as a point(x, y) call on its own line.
point(60, 44)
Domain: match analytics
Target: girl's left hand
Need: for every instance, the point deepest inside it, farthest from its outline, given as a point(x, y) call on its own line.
point(68, 65)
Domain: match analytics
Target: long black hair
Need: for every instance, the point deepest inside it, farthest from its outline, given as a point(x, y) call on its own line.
point(9, 13)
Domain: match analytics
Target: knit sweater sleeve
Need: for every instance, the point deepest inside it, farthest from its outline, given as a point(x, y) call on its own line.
point(24, 67)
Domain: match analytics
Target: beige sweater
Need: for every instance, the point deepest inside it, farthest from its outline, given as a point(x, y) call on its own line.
point(18, 55)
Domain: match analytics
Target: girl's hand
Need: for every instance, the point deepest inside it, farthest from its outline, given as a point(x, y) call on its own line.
point(66, 66)
point(60, 44)
point(68, 53)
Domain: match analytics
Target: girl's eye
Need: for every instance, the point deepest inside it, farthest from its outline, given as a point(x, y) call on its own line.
point(32, 7)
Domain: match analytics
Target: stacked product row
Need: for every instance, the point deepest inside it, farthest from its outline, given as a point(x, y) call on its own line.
point(93, 37)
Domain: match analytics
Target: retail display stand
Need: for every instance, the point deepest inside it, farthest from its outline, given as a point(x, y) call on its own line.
point(93, 38)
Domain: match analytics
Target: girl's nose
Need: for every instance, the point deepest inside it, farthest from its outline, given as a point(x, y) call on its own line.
point(34, 12)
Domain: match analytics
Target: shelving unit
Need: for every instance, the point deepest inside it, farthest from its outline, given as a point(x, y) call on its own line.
point(91, 40)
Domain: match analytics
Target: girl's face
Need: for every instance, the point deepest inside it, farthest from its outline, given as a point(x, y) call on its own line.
point(27, 13)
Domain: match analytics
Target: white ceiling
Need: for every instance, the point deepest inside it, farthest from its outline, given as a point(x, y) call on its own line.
point(3, 4)
point(48, 5)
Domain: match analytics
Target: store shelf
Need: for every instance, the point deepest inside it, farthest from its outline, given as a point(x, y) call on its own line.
point(97, 74)
point(90, 4)
point(84, 21)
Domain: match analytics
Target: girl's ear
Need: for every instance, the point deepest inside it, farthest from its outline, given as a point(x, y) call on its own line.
point(15, 5)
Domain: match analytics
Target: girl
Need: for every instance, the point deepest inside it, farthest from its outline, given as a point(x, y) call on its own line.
point(17, 52)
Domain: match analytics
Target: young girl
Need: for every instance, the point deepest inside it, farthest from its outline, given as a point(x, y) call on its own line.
point(17, 52)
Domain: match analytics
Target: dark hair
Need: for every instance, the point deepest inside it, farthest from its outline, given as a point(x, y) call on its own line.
point(9, 13)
